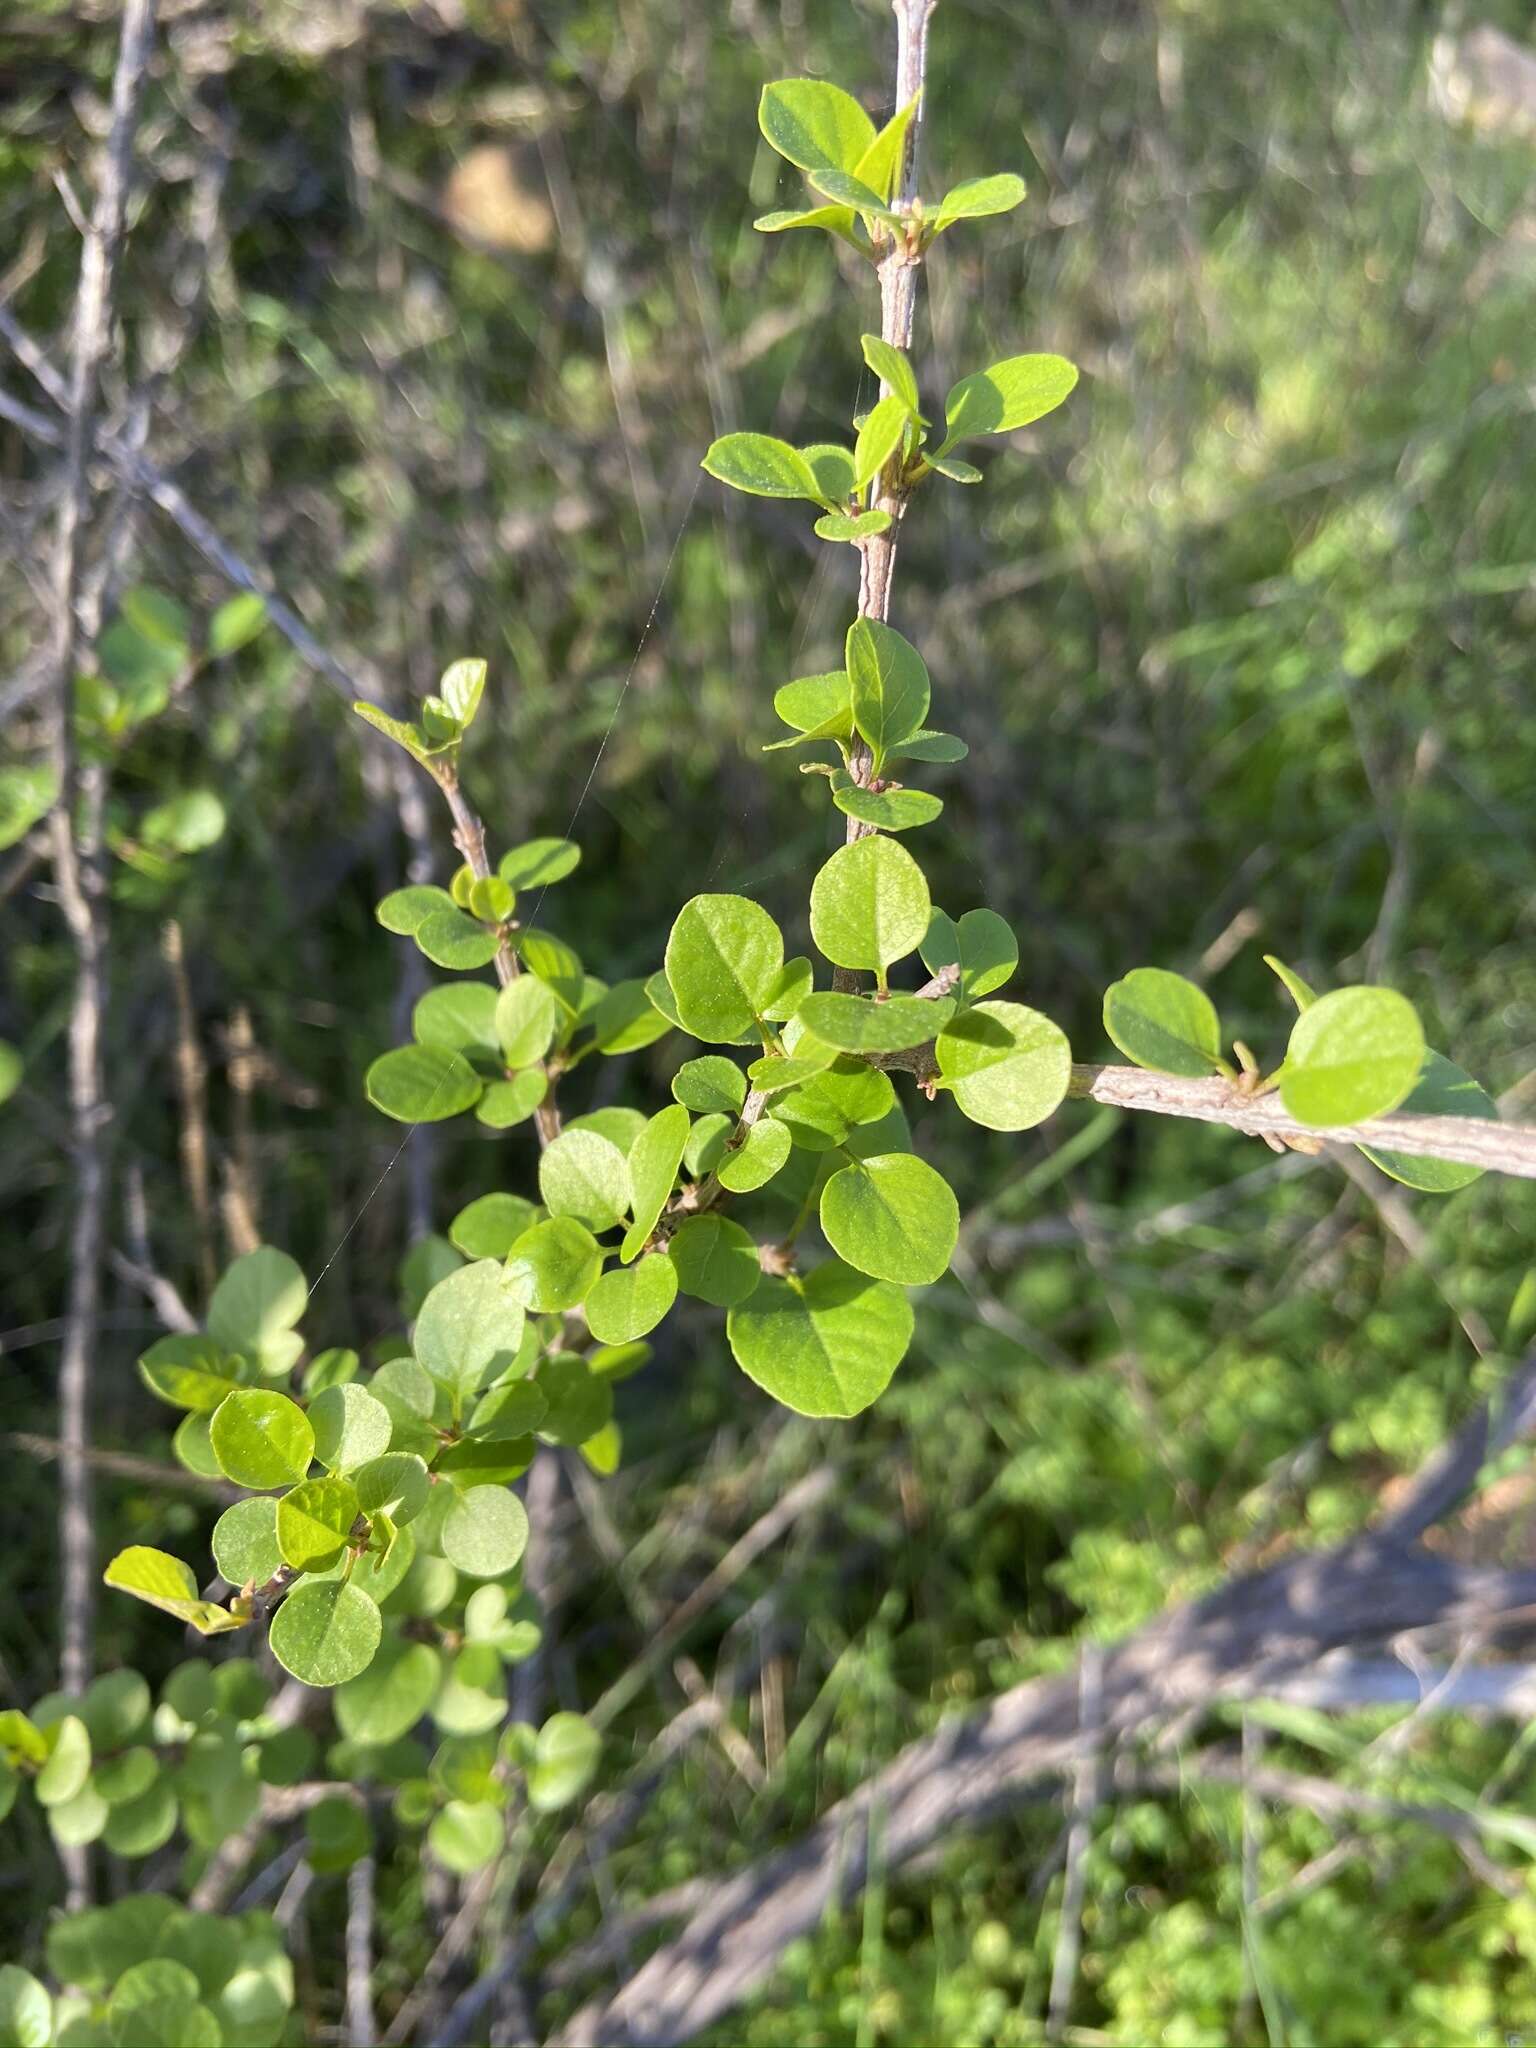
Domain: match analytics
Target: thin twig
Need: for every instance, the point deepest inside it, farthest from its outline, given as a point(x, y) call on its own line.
point(1086, 1794)
point(362, 2030)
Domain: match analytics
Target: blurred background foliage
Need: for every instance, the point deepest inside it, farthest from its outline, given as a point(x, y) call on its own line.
point(431, 310)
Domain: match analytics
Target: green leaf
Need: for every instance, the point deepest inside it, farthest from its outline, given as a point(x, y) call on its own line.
point(423, 1084)
point(1007, 1066)
point(706, 1145)
point(488, 1227)
point(724, 958)
point(888, 685)
point(138, 1827)
point(26, 2010)
point(629, 1301)
point(1164, 1023)
point(825, 1110)
point(618, 1123)
point(846, 526)
point(261, 1439)
point(185, 823)
point(26, 794)
point(334, 1368)
point(69, 1761)
point(350, 1426)
point(336, 1834)
point(465, 1838)
point(512, 1408)
point(326, 1632)
point(258, 1300)
point(186, 1371)
point(982, 945)
point(869, 905)
point(763, 466)
point(559, 1261)
point(453, 939)
point(580, 1400)
point(977, 198)
point(245, 1541)
point(491, 899)
point(400, 730)
point(471, 1327)
point(165, 1582)
point(879, 439)
point(837, 220)
point(757, 1159)
point(20, 1740)
point(12, 1067)
point(1442, 1089)
point(825, 1345)
point(816, 707)
point(1007, 396)
point(1354, 1054)
point(776, 1072)
point(1298, 991)
point(712, 1085)
point(654, 1159)
point(790, 990)
point(556, 964)
point(236, 623)
point(880, 165)
point(405, 910)
point(716, 1260)
point(460, 1015)
point(123, 1778)
point(158, 616)
point(314, 1522)
point(889, 810)
point(845, 189)
point(192, 1448)
point(625, 1019)
point(855, 1024)
point(951, 466)
point(74, 1822)
point(564, 1759)
point(585, 1176)
point(814, 124)
point(930, 746)
point(526, 1019)
point(115, 1708)
point(538, 863)
point(485, 1532)
point(892, 1217)
point(832, 467)
point(386, 1700)
point(461, 689)
point(505, 1103)
point(396, 1484)
point(893, 367)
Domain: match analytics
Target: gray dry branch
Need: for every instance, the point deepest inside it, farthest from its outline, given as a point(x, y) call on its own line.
point(1264, 1634)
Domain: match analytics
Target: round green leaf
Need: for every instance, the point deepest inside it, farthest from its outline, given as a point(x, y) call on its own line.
point(887, 677)
point(257, 1302)
point(74, 1822)
point(981, 945)
point(314, 1522)
point(453, 939)
point(706, 1144)
point(825, 1110)
point(245, 1541)
point(396, 1485)
point(1007, 1066)
point(236, 623)
point(579, 1400)
point(539, 862)
point(527, 1017)
point(869, 905)
point(506, 1103)
point(261, 1439)
point(978, 197)
point(754, 1162)
point(138, 1827)
point(336, 1367)
point(422, 1084)
point(26, 2010)
point(1008, 395)
point(619, 1124)
point(127, 1776)
point(565, 1755)
point(716, 1260)
point(1164, 1023)
point(1354, 1054)
point(893, 1217)
point(626, 1019)
point(406, 910)
point(350, 1426)
point(889, 810)
point(709, 1086)
point(630, 1300)
point(471, 1327)
point(461, 1015)
point(815, 125)
point(387, 1700)
point(558, 1261)
point(69, 1761)
point(584, 1175)
point(489, 1227)
point(189, 1372)
point(336, 1833)
point(115, 1708)
point(465, 1837)
point(857, 1024)
point(825, 1345)
point(1442, 1089)
point(485, 1532)
point(764, 466)
point(724, 959)
point(325, 1632)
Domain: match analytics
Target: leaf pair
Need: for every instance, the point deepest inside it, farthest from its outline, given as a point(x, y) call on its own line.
point(446, 714)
